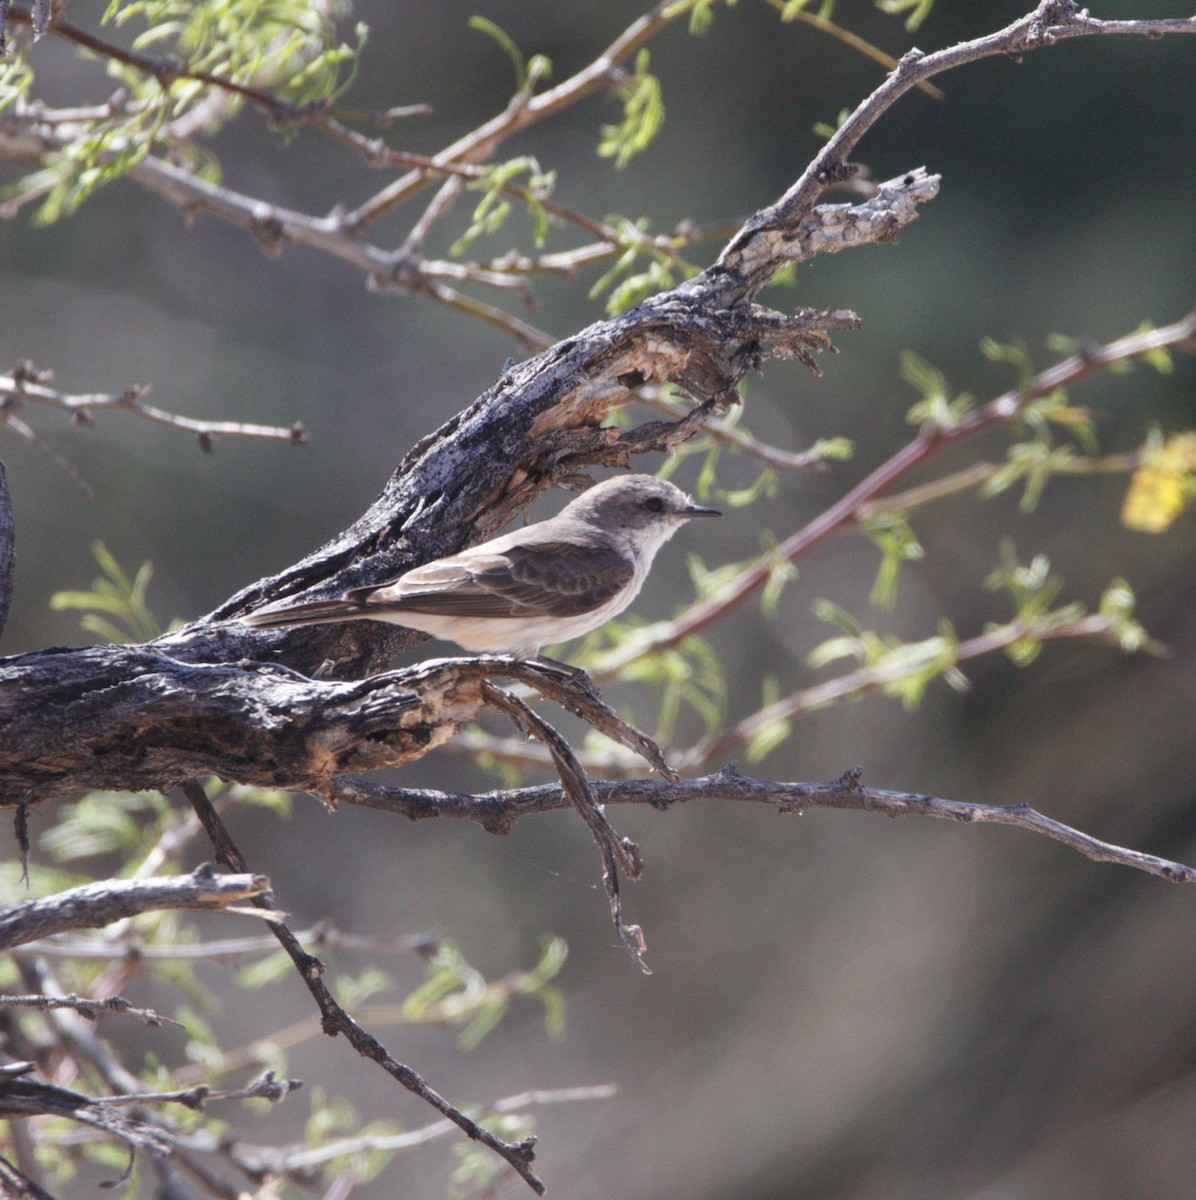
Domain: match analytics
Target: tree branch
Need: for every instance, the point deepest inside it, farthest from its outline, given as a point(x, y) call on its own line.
point(335, 1020)
point(21, 1097)
point(97, 904)
point(90, 1009)
point(259, 1161)
point(862, 499)
point(28, 383)
point(752, 254)
point(498, 811)
point(7, 548)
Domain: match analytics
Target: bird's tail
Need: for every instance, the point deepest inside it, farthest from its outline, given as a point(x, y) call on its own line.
point(315, 612)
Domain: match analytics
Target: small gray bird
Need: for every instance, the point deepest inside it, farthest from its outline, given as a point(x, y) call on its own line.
point(540, 585)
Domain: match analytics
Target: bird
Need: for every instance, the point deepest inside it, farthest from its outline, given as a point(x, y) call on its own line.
point(540, 585)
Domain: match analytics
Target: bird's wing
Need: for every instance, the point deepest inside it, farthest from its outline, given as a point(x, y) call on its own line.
point(557, 579)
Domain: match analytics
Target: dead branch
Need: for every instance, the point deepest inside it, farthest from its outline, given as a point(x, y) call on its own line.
point(23, 1097)
point(7, 548)
point(90, 1009)
point(498, 811)
point(136, 714)
point(27, 384)
point(96, 904)
point(335, 1020)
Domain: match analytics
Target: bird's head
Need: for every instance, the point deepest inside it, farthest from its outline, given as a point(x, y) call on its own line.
point(641, 509)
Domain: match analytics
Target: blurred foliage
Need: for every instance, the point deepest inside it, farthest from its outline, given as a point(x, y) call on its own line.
point(113, 595)
point(1163, 486)
point(288, 48)
point(493, 209)
point(528, 73)
point(643, 115)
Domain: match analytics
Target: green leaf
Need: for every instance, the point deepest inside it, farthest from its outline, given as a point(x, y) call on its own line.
point(1117, 604)
point(897, 543)
point(772, 734)
point(643, 115)
point(765, 485)
point(504, 41)
point(118, 596)
point(270, 969)
point(918, 10)
point(936, 408)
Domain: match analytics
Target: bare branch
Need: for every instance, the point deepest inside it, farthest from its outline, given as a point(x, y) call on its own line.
point(265, 1088)
point(500, 810)
point(616, 851)
point(261, 1160)
point(752, 254)
point(7, 548)
point(335, 1020)
point(227, 949)
point(23, 1097)
point(96, 904)
point(91, 1009)
point(28, 383)
point(14, 1183)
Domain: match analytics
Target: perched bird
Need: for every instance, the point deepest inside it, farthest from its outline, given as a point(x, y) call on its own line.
point(542, 584)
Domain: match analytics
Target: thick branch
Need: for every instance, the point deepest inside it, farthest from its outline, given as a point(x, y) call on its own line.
point(133, 717)
point(97, 904)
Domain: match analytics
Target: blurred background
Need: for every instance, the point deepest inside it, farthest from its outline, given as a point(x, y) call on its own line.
point(842, 1006)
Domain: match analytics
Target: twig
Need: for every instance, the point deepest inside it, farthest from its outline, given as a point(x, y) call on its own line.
point(260, 1160)
point(502, 809)
point(91, 1009)
point(29, 383)
point(869, 680)
point(7, 548)
point(22, 1097)
point(26, 431)
point(523, 111)
point(15, 1184)
point(573, 690)
point(751, 255)
point(456, 1006)
point(722, 430)
point(848, 38)
point(335, 1020)
point(616, 851)
point(97, 904)
point(423, 944)
point(981, 472)
point(265, 1088)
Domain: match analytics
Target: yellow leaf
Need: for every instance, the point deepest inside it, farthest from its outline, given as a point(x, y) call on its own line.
point(1161, 486)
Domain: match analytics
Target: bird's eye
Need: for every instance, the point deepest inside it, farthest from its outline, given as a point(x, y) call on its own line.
point(654, 504)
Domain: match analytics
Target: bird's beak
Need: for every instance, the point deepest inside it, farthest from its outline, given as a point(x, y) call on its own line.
point(696, 510)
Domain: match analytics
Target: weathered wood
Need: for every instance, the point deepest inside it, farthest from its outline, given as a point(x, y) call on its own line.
point(217, 697)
